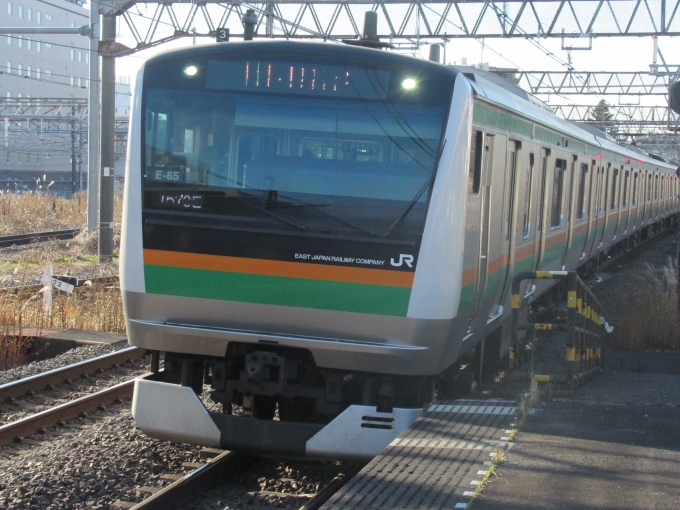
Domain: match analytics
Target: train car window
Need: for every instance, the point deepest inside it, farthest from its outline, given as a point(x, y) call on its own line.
point(615, 176)
point(475, 170)
point(580, 207)
point(649, 188)
point(558, 184)
point(624, 198)
point(527, 196)
point(511, 192)
point(251, 147)
point(635, 188)
point(343, 150)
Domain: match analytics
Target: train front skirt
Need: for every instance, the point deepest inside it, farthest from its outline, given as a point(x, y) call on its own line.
point(175, 413)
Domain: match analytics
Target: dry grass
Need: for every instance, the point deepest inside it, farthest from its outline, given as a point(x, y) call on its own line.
point(98, 308)
point(41, 211)
point(650, 314)
point(13, 350)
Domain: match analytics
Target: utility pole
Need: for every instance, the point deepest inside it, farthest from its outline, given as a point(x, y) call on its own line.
point(74, 168)
point(80, 156)
point(93, 123)
point(108, 127)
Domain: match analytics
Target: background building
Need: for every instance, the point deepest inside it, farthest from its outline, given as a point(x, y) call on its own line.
point(47, 66)
point(44, 65)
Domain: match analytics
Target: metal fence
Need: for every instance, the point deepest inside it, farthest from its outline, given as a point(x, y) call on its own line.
point(584, 327)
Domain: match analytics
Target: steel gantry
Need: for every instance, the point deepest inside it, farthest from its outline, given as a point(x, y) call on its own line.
point(599, 83)
point(45, 126)
point(153, 23)
point(630, 121)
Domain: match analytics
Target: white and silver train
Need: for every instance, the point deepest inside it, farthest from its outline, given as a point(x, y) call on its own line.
point(318, 232)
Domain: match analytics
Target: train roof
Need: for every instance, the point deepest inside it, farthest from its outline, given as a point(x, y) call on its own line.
point(498, 90)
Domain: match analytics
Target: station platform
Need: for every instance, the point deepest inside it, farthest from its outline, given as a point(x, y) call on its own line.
point(49, 342)
point(437, 463)
point(615, 445)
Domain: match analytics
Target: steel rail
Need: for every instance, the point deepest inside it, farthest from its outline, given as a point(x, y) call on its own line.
point(41, 381)
point(32, 237)
point(181, 491)
point(334, 486)
point(67, 411)
point(78, 283)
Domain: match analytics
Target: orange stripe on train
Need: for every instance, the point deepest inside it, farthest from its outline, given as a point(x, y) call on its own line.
point(278, 268)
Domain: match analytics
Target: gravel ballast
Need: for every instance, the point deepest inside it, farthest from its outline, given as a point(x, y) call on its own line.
point(67, 358)
point(89, 468)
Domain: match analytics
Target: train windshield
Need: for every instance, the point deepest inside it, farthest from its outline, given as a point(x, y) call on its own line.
point(292, 144)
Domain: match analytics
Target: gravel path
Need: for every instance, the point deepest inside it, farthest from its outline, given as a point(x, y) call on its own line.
point(69, 357)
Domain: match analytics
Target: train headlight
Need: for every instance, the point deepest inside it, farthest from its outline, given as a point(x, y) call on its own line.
point(409, 83)
point(190, 70)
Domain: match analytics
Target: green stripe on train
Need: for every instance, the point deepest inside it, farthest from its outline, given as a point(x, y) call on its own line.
point(277, 290)
point(467, 294)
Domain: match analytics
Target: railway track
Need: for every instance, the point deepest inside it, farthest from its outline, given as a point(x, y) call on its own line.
point(185, 490)
point(77, 282)
point(38, 237)
point(40, 421)
point(219, 469)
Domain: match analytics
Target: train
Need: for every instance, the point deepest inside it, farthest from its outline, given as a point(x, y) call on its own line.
point(315, 234)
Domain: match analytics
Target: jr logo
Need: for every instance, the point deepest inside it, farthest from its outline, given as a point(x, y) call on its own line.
point(407, 259)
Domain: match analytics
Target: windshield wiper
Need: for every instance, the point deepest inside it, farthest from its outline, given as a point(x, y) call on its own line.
point(345, 222)
point(264, 210)
point(272, 197)
point(415, 199)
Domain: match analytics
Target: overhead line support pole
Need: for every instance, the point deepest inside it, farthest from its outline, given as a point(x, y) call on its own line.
point(108, 127)
point(93, 123)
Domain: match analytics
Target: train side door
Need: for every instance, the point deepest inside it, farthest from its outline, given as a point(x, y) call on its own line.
point(505, 235)
point(542, 199)
point(591, 212)
point(474, 251)
point(604, 199)
point(494, 172)
point(624, 203)
point(478, 320)
point(635, 201)
point(570, 256)
point(527, 212)
point(556, 237)
point(581, 215)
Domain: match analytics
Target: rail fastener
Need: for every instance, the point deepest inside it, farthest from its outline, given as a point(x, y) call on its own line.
point(67, 411)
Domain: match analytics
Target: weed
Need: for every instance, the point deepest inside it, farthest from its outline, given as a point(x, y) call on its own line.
point(649, 318)
point(41, 210)
point(527, 401)
point(13, 349)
